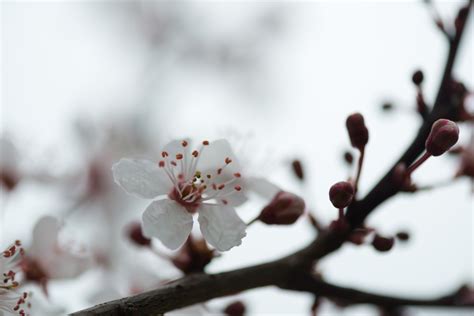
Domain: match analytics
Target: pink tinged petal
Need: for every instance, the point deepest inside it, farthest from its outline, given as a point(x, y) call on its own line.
point(168, 221)
point(262, 187)
point(66, 265)
point(221, 227)
point(141, 178)
point(213, 157)
point(45, 237)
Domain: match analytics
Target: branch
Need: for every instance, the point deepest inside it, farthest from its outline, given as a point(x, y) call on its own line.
point(349, 296)
point(203, 287)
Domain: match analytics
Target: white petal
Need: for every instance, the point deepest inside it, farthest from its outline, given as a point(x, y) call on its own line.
point(141, 178)
point(175, 147)
point(262, 187)
point(221, 227)
point(45, 237)
point(168, 221)
point(65, 265)
point(213, 157)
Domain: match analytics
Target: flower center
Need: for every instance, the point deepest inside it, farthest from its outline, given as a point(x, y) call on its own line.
point(189, 196)
point(191, 188)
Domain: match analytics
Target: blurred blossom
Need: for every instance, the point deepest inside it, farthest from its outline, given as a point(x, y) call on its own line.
point(49, 258)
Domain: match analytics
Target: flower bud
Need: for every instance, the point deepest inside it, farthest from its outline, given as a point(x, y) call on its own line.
point(135, 234)
point(444, 134)
point(298, 169)
point(341, 194)
point(358, 132)
point(417, 77)
point(284, 209)
point(194, 256)
point(403, 236)
point(235, 309)
point(348, 158)
point(383, 244)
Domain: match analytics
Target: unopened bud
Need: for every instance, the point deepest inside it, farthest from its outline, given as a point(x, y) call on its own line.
point(444, 134)
point(135, 234)
point(284, 209)
point(348, 157)
point(358, 132)
point(417, 77)
point(341, 194)
point(461, 18)
point(235, 309)
point(298, 169)
point(403, 236)
point(194, 256)
point(383, 244)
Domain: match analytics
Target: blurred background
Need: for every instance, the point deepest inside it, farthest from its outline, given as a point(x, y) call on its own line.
point(86, 83)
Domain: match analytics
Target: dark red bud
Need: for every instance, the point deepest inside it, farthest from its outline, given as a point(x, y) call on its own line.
point(417, 77)
point(383, 244)
point(348, 158)
point(284, 209)
point(444, 134)
point(403, 236)
point(235, 309)
point(298, 169)
point(136, 235)
point(341, 194)
point(8, 179)
point(358, 132)
point(461, 18)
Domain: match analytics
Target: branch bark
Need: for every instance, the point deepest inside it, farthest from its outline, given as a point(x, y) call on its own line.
point(287, 272)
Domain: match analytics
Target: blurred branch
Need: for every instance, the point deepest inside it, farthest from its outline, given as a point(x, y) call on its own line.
point(289, 272)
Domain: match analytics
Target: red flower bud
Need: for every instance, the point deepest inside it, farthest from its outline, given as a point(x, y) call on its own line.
point(284, 209)
point(444, 134)
point(358, 132)
point(298, 169)
point(417, 77)
point(403, 236)
point(136, 235)
point(341, 194)
point(383, 244)
point(348, 157)
point(235, 309)
point(194, 256)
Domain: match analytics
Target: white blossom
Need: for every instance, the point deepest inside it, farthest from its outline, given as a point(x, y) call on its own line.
point(206, 181)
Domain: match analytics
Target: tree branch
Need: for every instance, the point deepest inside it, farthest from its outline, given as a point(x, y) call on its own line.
point(203, 287)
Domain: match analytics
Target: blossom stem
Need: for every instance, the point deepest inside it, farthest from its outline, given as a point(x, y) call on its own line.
point(253, 220)
point(418, 163)
point(359, 169)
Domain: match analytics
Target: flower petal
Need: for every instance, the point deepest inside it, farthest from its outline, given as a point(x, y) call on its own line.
point(168, 221)
point(45, 237)
point(262, 187)
point(176, 147)
point(221, 226)
point(141, 178)
point(213, 157)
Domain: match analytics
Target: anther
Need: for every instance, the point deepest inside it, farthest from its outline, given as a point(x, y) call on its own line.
point(161, 164)
point(179, 156)
point(205, 143)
